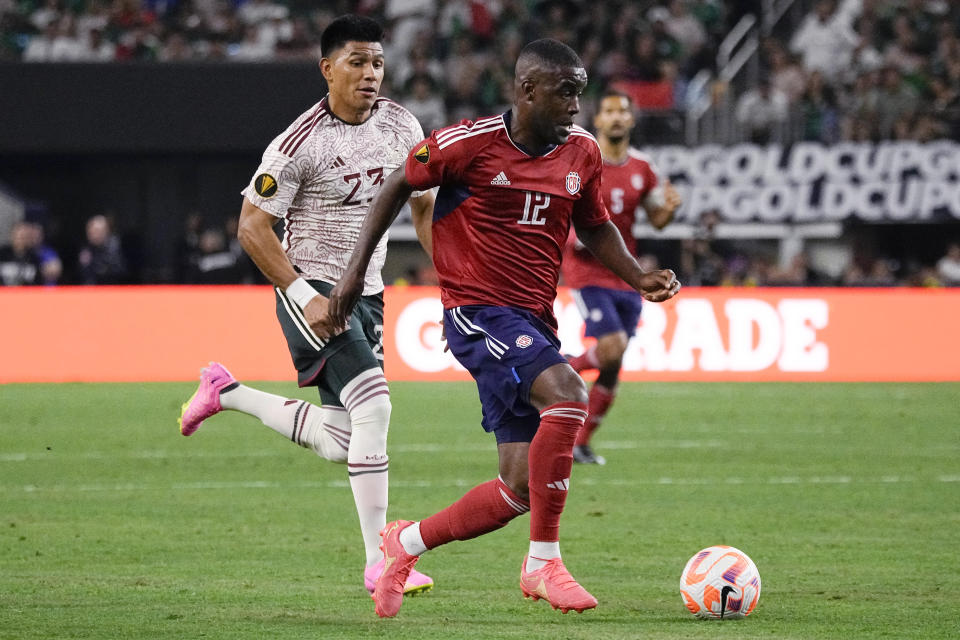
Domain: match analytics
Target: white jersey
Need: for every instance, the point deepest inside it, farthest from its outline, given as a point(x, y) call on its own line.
point(320, 176)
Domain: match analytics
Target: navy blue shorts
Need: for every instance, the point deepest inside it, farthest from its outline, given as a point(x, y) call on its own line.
point(504, 349)
point(608, 310)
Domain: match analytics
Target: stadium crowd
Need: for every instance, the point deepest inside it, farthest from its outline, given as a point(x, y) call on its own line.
point(851, 70)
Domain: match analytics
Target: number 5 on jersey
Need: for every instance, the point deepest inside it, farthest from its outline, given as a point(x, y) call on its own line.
point(534, 204)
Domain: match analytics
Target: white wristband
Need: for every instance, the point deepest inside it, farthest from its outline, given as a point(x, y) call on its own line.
point(301, 292)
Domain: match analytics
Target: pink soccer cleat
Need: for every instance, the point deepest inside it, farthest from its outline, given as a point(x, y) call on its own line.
point(397, 565)
point(416, 584)
point(553, 583)
point(205, 402)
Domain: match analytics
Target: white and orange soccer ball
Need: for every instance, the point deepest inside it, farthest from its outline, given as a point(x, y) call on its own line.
point(720, 582)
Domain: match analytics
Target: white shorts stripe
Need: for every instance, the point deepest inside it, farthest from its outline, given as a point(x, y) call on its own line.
point(467, 328)
point(300, 322)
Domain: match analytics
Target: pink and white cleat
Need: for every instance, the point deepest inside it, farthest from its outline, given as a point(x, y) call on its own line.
point(205, 402)
point(416, 583)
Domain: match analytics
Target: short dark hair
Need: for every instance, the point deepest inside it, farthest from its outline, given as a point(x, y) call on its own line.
point(349, 28)
point(610, 92)
point(552, 52)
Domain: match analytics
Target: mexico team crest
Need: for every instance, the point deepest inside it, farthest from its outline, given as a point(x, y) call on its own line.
point(573, 182)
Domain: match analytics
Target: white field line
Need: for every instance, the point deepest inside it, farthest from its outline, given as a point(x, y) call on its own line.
point(423, 447)
point(462, 483)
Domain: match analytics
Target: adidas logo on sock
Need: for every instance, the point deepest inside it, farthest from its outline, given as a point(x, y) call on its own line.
point(561, 485)
point(501, 180)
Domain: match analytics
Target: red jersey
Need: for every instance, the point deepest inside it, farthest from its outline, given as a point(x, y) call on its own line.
point(624, 188)
point(502, 216)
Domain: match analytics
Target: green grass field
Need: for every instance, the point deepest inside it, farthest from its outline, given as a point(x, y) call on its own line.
point(847, 497)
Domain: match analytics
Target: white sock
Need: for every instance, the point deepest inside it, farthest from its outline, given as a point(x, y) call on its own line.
point(325, 430)
point(367, 400)
point(540, 552)
point(412, 541)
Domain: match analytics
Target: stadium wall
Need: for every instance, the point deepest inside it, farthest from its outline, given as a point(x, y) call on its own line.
point(166, 333)
point(151, 108)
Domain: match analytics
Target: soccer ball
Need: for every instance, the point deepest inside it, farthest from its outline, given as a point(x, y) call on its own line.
point(720, 582)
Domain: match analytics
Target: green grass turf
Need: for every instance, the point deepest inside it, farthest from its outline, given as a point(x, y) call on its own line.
point(847, 497)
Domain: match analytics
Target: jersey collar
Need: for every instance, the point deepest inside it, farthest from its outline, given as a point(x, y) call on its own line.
point(325, 105)
point(507, 118)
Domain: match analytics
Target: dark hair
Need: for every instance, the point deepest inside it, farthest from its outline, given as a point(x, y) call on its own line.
point(349, 28)
point(610, 92)
point(551, 52)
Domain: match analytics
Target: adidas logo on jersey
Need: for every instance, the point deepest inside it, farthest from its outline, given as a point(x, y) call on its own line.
point(501, 180)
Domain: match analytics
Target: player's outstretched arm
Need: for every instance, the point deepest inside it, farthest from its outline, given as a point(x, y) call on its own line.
point(606, 243)
point(383, 211)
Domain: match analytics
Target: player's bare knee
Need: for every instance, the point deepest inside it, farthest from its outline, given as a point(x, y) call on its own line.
point(518, 484)
point(514, 468)
point(568, 388)
point(559, 383)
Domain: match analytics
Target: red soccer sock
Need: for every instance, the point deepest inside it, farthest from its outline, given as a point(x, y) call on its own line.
point(601, 398)
point(550, 460)
point(485, 508)
point(586, 360)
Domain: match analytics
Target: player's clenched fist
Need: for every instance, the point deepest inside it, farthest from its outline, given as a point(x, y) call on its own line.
point(660, 285)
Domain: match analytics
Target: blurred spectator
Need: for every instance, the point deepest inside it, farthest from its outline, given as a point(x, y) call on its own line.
point(686, 29)
point(825, 41)
point(895, 100)
point(409, 21)
point(247, 271)
point(51, 267)
point(175, 49)
point(20, 264)
point(188, 247)
point(424, 102)
point(214, 263)
point(48, 14)
point(95, 48)
point(40, 46)
point(904, 52)
point(760, 110)
point(818, 107)
point(101, 259)
point(702, 260)
point(253, 48)
point(786, 75)
point(948, 267)
point(798, 273)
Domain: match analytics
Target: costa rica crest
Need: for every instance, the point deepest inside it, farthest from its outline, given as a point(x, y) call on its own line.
point(573, 182)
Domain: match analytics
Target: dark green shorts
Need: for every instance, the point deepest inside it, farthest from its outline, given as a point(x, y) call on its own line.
point(331, 364)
